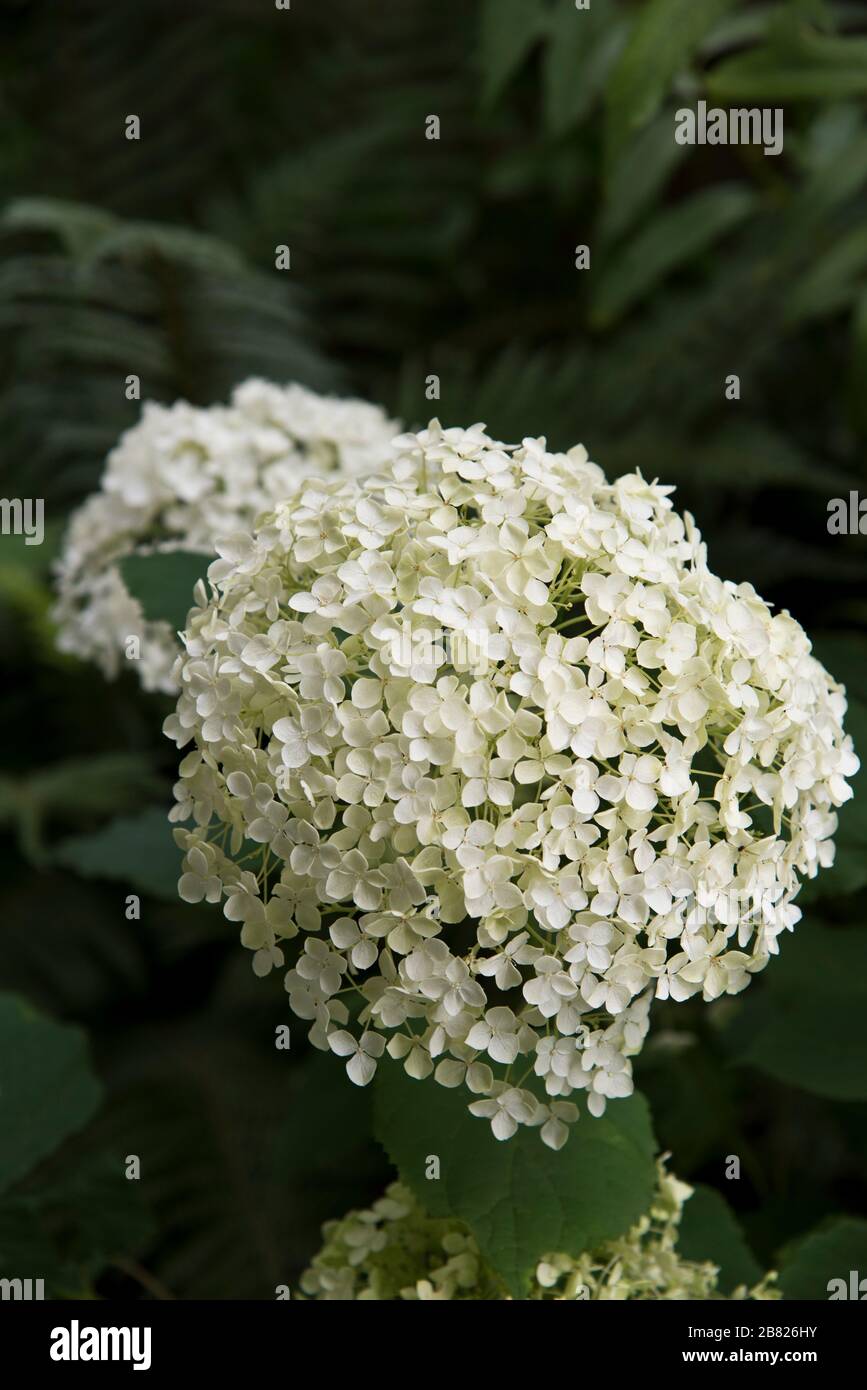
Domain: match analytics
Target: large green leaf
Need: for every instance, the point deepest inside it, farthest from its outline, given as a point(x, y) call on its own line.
point(805, 1023)
point(520, 1198)
point(163, 582)
point(47, 1089)
point(673, 237)
point(665, 35)
point(709, 1230)
point(245, 1150)
point(807, 1265)
point(68, 1228)
point(135, 850)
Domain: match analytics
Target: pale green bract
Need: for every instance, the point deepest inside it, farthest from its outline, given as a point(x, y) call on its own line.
point(485, 733)
point(395, 1250)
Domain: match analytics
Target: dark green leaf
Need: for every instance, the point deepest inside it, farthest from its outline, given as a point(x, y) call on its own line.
point(67, 1230)
point(672, 1069)
point(831, 184)
point(805, 1023)
point(138, 851)
point(582, 48)
point(739, 29)
point(672, 238)
point(833, 282)
point(245, 1150)
point(28, 1252)
point(47, 1089)
point(798, 64)
point(807, 1266)
point(520, 1198)
point(69, 789)
point(665, 35)
point(163, 582)
point(91, 235)
point(709, 1230)
point(77, 226)
point(508, 30)
point(639, 174)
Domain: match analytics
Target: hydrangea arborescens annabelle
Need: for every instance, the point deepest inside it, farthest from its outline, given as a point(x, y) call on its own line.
point(179, 478)
point(489, 737)
point(396, 1251)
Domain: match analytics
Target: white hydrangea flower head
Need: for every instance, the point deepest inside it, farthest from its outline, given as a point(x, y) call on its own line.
point(488, 737)
point(182, 476)
point(395, 1251)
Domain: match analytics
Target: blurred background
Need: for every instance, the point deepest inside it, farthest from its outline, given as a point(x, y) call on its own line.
point(410, 257)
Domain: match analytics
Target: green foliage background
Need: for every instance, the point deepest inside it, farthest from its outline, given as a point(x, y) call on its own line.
point(409, 257)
